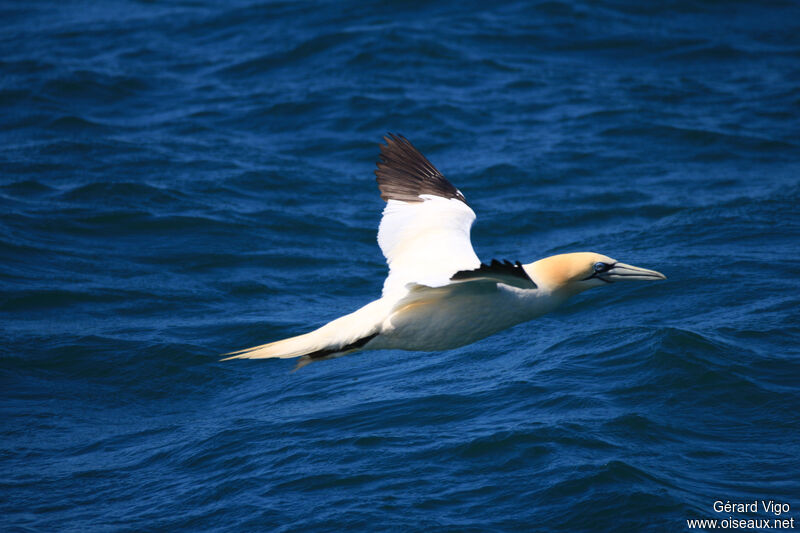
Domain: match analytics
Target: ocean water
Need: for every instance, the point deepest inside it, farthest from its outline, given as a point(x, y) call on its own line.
point(182, 179)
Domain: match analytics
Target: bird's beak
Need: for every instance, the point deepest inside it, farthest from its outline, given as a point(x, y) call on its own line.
point(621, 271)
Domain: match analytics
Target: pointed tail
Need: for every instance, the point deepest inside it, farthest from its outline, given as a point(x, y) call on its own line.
point(343, 335)
point(283, 349)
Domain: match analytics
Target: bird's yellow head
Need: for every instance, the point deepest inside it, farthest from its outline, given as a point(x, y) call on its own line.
point(576, 272)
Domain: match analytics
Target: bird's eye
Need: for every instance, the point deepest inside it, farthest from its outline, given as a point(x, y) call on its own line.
point(601, 267)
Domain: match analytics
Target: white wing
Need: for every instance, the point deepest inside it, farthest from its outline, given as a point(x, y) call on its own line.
point(424, 232)
point(426, 243)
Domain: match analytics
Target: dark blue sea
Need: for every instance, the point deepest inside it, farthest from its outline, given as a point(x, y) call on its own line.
point(183, 179)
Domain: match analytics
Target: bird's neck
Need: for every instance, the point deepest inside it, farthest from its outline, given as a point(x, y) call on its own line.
point(554, 276)
point(527, 304)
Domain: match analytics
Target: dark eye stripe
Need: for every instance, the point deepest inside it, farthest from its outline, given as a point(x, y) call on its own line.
point(601, 267)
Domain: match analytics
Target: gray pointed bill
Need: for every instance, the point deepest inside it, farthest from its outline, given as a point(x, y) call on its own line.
point(623, 272)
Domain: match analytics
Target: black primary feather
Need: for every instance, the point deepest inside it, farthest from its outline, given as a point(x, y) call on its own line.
point(404, 174)
point(496, 270)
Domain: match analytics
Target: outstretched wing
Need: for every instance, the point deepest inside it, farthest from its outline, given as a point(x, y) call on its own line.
point(464, 286)
point(504, 272)
point(424, 232)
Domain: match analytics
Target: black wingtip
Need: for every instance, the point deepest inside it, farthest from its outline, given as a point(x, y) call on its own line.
point(495, 267)
point(404, 174)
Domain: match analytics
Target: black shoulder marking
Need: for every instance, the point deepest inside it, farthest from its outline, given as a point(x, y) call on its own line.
point(497, 270)
point(404, 174)
point(320, 354)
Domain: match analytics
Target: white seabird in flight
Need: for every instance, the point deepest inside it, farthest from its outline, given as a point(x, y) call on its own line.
point(438, 295)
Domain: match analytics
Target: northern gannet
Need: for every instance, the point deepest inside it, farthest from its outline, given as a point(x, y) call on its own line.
point(438, 294)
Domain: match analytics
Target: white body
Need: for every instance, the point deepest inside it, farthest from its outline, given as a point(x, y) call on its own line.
point(455, 317)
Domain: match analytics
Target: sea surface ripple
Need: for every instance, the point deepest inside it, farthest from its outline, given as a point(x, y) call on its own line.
point(178, 180)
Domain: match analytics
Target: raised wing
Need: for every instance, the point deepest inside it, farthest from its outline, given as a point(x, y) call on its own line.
point(424, 232)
